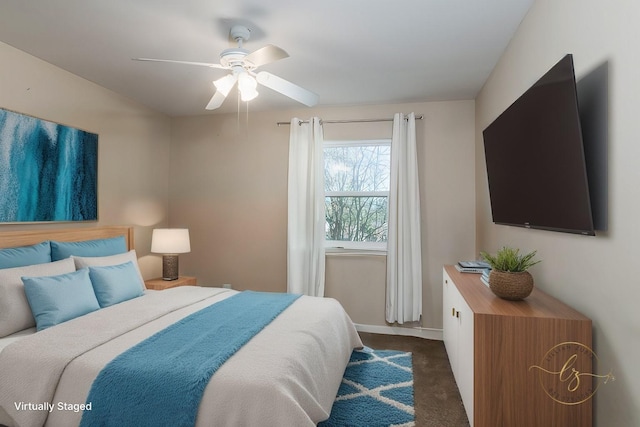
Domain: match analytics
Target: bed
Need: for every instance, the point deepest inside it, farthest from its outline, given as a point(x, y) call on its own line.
point(288, 373)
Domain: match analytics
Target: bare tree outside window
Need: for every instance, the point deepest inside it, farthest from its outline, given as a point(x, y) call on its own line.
point(356, 190)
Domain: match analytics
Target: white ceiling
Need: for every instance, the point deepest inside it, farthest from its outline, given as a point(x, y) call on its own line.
point(348, 52)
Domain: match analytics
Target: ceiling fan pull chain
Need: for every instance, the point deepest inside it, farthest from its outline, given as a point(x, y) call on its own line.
point(247, 117)
point(238, 117)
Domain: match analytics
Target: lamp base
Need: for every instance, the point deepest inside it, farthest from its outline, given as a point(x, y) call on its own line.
point(169, 267)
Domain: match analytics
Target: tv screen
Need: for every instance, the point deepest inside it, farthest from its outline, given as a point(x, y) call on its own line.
point(535, 158)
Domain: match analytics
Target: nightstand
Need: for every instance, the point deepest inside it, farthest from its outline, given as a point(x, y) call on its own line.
point(159, 284)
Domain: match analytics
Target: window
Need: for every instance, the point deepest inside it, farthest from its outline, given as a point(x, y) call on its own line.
point(356, 177)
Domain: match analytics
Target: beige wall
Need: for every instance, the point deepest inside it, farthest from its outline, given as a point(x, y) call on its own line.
point(595, 275)
point(133, 142)
point(228, 184)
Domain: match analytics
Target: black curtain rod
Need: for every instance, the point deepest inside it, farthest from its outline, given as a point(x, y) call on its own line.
point(346, 121)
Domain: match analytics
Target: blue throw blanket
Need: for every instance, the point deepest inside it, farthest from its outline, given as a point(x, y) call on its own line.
point(160, 381)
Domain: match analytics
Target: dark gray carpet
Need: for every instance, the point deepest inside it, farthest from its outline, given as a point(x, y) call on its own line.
point(437, 399)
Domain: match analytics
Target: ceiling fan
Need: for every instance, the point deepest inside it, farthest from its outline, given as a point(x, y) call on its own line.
point(243, 65)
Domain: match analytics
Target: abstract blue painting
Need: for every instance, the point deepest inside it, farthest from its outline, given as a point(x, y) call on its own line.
point(48, 171)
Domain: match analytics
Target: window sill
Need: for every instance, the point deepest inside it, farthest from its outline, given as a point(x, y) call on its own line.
point(357, 252)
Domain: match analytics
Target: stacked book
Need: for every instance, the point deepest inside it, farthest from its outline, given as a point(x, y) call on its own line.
point(485, 276)
point(478, 267)
point(472, 267)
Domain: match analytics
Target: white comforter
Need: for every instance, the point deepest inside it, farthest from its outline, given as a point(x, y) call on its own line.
point(287, 375)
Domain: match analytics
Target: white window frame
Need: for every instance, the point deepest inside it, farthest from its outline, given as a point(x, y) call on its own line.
point(333, 246)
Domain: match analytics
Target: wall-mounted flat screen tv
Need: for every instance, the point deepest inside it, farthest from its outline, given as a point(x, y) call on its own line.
point(535, 158)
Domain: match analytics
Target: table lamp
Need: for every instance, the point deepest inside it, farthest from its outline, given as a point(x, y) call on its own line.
point(170, 242)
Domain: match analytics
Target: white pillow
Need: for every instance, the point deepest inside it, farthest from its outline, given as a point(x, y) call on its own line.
point(15, 312)
point(105, 261)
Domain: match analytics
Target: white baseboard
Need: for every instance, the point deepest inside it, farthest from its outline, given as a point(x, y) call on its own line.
point(426, 333)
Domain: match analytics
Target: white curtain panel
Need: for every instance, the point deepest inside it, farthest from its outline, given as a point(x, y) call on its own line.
point(404, 259)
point(305, 238)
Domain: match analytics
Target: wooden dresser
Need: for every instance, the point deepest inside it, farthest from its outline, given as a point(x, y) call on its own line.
point(517, 363)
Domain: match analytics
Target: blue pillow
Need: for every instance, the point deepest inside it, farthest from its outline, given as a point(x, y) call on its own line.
point(98, 247)
point(56, 299)
point(116, 283)
point(25, 255)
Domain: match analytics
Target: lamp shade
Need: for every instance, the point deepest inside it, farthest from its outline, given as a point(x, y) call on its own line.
point(170, 241)
point(247, 86)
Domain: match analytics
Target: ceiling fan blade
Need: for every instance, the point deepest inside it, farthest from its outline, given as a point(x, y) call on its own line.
point(202, 64)
point(287, 88)
point(223, 87)
point(265, 55)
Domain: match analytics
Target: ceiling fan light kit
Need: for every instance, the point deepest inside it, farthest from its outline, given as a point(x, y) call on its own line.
point(225, 84)
point(242, 65)
point(247, 86)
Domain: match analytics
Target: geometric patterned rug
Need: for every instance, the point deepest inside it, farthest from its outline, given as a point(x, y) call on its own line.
point(376, 391)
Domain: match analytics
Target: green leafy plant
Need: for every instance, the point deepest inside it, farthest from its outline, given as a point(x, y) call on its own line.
point(509, 259)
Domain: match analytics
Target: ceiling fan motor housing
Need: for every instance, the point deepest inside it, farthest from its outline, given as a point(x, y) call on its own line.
point(233, 56)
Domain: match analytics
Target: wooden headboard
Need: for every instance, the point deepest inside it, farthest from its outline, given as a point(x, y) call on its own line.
point(9, 239)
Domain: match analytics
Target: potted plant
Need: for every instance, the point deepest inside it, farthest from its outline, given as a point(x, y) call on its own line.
point(509, 278)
